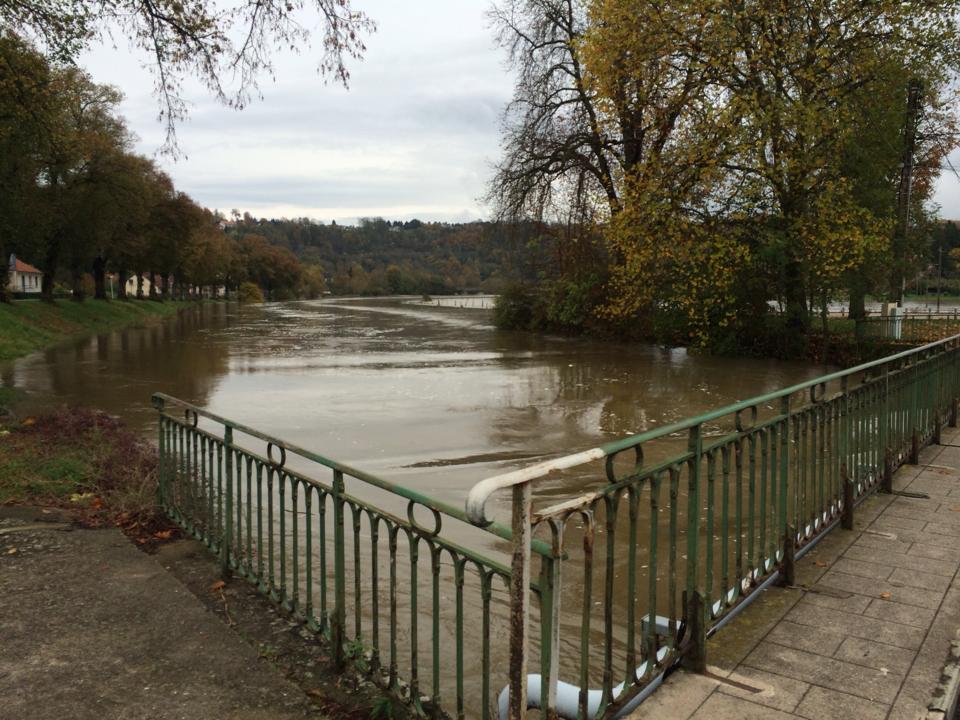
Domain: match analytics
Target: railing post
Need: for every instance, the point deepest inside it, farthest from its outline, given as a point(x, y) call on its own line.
point(784, 464)
point(914, 458)
point(549, 631)
point(846, 485)
point(788, 565)
point(520, 599)
point(886, 476)
point(695, 654)
point(847, 516)
point(228, 500)
point(886, 471)
point(339, 621)
point(158, 403)
point(953, 413)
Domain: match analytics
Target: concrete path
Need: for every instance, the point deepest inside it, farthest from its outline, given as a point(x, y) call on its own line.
point(865, 632)
point(93, 629)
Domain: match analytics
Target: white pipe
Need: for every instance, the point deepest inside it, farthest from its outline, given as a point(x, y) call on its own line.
point(568, 695)
point(479, 493)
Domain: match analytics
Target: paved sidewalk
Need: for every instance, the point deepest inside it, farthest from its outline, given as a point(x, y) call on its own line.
point(865, 632)
point(93, 629)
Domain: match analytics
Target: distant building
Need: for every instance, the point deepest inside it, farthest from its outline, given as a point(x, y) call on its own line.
point(23, 277)
point(132, 286)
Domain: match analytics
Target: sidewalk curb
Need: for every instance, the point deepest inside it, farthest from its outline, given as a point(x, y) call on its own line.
point(943, 704)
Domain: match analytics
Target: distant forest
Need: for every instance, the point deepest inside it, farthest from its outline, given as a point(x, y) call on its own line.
point(380, 257)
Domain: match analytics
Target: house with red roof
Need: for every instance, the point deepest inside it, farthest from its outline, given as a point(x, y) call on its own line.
point(23, 277)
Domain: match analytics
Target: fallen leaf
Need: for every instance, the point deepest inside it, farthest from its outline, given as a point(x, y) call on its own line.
point(29, 421)
point(218, 585)
point(315, 692)
point(141, 541)
point(12, 551)
point(821, 564)
point(884, 596)
point(163, 534)
point(955, 509)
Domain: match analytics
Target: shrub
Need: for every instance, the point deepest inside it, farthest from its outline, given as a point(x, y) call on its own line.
point(250, 293)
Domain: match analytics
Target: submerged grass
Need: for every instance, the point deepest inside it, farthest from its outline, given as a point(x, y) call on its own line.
point(30, 325)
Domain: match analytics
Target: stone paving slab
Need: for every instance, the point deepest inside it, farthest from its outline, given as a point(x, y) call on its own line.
point(865, 631)
point(93, 629)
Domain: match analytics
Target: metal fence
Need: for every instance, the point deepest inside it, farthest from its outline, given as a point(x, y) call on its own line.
point(911, 328)
point(577, 608)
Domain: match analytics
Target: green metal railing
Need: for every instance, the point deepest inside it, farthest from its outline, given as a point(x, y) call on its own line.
point(678, 538)
point(605, 590)
point(376, 575)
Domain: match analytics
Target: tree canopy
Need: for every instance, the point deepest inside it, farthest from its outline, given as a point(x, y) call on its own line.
point(227, 49)
point(730, 154)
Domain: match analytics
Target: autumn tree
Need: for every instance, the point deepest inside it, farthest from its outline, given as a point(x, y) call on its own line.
point(25, 100)
point(714, 141)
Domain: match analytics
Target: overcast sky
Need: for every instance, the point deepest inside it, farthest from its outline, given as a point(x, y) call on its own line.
point(414, 136)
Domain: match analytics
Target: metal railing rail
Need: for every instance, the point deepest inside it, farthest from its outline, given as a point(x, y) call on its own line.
point(739, 505)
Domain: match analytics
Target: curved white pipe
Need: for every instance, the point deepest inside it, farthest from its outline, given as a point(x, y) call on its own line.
point(568, 695)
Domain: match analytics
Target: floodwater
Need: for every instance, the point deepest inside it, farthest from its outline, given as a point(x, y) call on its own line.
point(431, 396)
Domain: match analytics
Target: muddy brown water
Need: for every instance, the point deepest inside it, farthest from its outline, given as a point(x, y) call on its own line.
point(431, 396)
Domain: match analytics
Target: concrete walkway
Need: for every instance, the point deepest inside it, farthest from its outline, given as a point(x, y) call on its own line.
point(93, 629)
point(865, 632)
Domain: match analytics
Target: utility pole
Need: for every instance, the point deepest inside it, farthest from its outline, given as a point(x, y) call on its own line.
point(939, 270)
point(914, 90)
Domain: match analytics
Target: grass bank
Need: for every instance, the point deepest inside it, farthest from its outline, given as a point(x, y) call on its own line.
point(87, 465)
point(30, 325)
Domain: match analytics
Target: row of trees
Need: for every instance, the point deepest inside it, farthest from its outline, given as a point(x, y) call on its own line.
point(76, 201)
point(379, 257)
point(712, 156)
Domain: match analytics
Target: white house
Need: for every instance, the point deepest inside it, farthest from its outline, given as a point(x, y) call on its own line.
point(132, 286)
point(23, 277)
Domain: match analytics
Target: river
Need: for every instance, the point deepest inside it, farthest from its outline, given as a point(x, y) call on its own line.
point(429, 395)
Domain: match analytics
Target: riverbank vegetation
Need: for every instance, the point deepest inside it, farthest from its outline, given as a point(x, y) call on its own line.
point(695, 164)
point(98, 219)
point(85, 465)
point(30, 325)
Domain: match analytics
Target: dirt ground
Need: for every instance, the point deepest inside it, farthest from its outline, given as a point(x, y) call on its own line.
point(93, 628)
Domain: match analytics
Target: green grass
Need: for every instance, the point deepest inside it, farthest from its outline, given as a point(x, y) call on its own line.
point(30, 325)
point(932, 299)
point(81, 460)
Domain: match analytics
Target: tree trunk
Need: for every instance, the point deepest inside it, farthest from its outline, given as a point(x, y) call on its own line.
point(49, 270)
point(4, 278)
point(797, 315)
point(139, 284)
point(76, 278)
point(100, 277)
point(858, 305)
point(122, 276)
